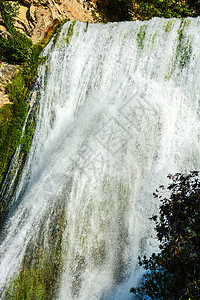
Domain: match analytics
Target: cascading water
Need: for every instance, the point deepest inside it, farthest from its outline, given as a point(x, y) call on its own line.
point(119, 111)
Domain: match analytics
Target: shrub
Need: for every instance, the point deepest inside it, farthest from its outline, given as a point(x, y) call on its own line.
point(174, 273)
point(125, 10)
point(9, 10)
point(16, 47)
point(115, 10)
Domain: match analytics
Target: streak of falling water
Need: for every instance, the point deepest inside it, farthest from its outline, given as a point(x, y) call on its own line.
point(119, 110)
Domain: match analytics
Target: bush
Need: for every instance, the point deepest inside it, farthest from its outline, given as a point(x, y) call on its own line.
point(115, 10)
point(125, 10)
point(174, 273)
point(16, 47)
point(9, 10)
point(145, 10)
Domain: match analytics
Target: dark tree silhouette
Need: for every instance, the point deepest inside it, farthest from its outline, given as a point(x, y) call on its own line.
point(174, 273)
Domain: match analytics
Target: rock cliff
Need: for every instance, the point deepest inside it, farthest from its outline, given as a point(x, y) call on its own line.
point(35, 18)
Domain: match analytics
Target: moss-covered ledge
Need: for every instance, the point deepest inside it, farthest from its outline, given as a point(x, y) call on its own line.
point(41, 270)
point(13, 116)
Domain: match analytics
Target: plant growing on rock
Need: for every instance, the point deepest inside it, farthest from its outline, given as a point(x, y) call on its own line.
point(16, 47)
point(9, 10)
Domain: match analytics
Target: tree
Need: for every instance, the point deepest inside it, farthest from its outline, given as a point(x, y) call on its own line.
point(174, 273)
point(16, 47)
point(146, 9)
point(115, 10)
point(126, 10)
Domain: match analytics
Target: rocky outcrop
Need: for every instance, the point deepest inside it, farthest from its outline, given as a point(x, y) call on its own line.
point(35, 18)
point(6, 73)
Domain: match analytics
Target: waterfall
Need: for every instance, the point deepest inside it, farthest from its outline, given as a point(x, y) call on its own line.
point(119, 111)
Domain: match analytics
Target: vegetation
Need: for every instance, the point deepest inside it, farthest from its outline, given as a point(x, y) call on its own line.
point(39, 275)
point(8, 12)
point(115, 10)
point(12, 116)
point(125, 10)
point(174, 273)
point(145, 10)
point(41, 270)
point(15, 47)
point(70, 32)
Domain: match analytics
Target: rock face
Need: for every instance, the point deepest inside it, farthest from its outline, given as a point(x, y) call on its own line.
point(34, 19)
point(36, 16)
point(6, 73)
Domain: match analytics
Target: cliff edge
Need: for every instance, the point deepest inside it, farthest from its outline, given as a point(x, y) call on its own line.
point(35, 19)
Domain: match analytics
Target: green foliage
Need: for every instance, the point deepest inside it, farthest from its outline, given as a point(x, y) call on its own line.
point(9, 10)
point(16, 47)
point(125, 10)
point(174, 273)
point(145, 10)
point(27, 138)
point(13, 116)
point(35, 282)
point(115, 10)
point(195, 5)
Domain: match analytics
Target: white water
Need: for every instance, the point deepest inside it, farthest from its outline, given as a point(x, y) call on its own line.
point(119, 111)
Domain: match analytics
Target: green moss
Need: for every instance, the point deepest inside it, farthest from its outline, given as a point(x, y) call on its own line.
point(185, 23)
point(27, 138)
point(12, 116)
point(185, 54)
point(57, 30)
point(141, 36)
point(169, 26)
point(70, 32)
point(41, 270)
point(40, 273)
point(115, 10)
point(35, 282)
point(86, 27)
point(5, 115)
point(184, 48)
